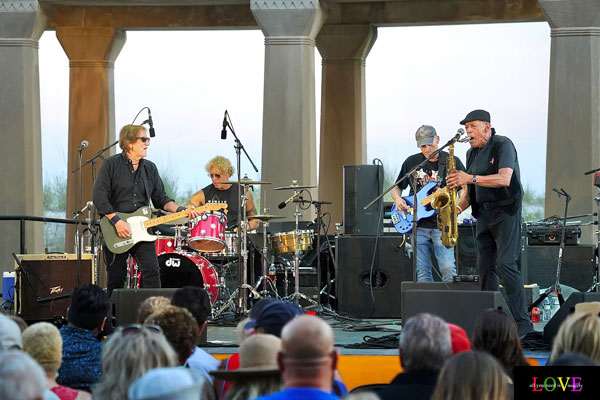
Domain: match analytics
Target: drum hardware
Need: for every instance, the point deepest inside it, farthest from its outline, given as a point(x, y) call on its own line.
point(294, 187)
point(246, 182)
point(265, 279)
point(134, 275)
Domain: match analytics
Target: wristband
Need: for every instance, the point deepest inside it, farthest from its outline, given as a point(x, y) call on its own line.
point(460, 208)
point(181, 208)
point(115, 218)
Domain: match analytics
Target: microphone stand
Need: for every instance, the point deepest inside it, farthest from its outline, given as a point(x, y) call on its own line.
point(242, 251)
point(410, 173)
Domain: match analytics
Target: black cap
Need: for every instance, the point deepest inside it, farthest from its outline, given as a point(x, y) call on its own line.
point(477, 115)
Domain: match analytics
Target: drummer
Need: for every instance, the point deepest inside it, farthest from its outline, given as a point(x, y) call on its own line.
point(220, 170)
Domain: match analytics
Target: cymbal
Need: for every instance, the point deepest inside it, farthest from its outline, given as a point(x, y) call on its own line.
point(294, 187)
point(246, 182)
point(265, 217)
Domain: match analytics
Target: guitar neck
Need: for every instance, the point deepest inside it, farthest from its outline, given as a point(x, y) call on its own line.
point(164, 219)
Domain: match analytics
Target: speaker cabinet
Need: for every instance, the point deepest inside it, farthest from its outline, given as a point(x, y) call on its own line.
point(577, 267)
point(367, 293)
point(362, 183)
point(460, 307)
point(551, 328)
point(44, 283)
point(411, 285)
point(466, 250)
point(125, 304)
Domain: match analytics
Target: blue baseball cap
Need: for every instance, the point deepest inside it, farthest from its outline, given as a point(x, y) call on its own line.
point(274, 316)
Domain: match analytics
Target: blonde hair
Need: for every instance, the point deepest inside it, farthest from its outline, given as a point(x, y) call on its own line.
point(579, 333)
point(151, 305)
point(221, 164)
point(126, 357)
point(128, 136)
point(43, 342)
point(471, 375)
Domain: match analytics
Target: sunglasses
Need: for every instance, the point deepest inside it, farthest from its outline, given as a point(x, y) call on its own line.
point(133, 328)
point(144, 139)
point(218, 176)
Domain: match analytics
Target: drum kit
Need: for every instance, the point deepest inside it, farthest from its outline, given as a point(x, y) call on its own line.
point(201, 251)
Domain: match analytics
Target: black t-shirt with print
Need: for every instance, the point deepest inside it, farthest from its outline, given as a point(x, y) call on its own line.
point(427, 173)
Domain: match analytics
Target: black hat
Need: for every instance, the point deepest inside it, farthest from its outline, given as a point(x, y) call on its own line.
point(476, 115)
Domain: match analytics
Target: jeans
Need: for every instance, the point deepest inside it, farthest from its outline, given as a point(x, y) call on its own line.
point(429, 241)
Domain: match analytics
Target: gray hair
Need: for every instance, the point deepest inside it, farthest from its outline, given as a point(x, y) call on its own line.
point(425, 343)
point(21, 378)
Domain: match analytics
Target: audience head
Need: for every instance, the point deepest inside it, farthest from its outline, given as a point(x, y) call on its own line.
point(43, 342)
point(307, 356)
point(128, 354)
point(258, 374)
point(259, 305)
point(167, 384)
point(496, 333)
point(150, 305)
point(240, 330)
point(20, 322)
point(459, 338)
point(10, 334)
point(273, 316)
point(472, 375)
point(194, 299)
point(579, 333)
point(21, 378)
point(424, 343)
point(89, 307)
point(180, 329)
point(572, 360)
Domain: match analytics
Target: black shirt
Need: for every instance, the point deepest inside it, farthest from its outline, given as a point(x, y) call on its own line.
point(499, 152)
point(119, 188)
point(229, 196)
point(427, 173)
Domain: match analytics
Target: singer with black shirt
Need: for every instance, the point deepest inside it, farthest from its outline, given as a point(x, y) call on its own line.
point(220, 170)
point(123, 183)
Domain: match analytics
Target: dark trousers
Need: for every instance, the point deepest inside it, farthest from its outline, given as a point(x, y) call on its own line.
point(144, 254)
point(498, 247)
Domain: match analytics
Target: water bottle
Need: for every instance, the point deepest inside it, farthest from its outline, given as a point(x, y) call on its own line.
point(547, 311)
point(554, 304)
point(271, 273)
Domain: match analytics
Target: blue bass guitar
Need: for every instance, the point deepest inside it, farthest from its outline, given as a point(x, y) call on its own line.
point(402, 220)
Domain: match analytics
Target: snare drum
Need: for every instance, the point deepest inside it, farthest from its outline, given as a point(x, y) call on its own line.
point(207, 233)
point(180, 268)
point(230, 249)
point(285, 242)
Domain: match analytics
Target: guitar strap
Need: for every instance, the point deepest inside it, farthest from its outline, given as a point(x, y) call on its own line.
point(145, 180)
point(443, 157)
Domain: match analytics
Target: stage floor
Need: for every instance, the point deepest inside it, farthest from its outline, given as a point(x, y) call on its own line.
point(366, 356)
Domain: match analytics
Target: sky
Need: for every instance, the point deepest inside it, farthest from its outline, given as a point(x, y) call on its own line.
point(430, 75)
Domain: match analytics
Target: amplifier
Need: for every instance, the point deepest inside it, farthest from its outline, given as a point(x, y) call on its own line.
point(550, 235)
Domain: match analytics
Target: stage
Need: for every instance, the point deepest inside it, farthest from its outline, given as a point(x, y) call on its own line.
point(366, 358)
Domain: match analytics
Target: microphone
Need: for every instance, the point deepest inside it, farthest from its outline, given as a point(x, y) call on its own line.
point(284, 203)
point(152, 133)
point(224, 130)
point(311, 223)
point(83, 145)
point(459, 133)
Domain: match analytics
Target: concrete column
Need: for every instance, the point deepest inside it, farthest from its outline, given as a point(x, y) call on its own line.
point(289, 138)
point(344, 49)
point(21, 25)
point(92, 52)
point(574, 105)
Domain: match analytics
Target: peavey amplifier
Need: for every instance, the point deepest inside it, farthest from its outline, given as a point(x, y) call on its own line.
point(44, 283)
point(550, 235)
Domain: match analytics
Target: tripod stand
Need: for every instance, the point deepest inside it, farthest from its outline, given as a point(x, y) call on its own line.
point(555, 291)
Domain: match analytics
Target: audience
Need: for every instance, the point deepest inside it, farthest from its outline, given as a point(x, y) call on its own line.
point(496, 333)
point(130, 352)
point(459, 338)
point(10, 334)
point(180, 329)
point(197, 302)
point(43, 342)
point(82, 350)
point(307, 360)
point(579, 333)
point(20, 322)
point(170, 384)
point(150, 305)
point(258, 373)
point(21, 378)
point(425, 345)
point(472, 375)
point(572, 360)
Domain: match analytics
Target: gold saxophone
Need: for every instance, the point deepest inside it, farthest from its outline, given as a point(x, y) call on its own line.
point(445, 204)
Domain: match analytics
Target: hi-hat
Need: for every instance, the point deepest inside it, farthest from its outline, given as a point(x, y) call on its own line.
point(246, 182)
point(265, 217)
point(294, 187)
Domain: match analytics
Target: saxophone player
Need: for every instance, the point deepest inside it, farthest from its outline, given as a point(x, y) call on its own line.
point(428, 234)
point(494, 194)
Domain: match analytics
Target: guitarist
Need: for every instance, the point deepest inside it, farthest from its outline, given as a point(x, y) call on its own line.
point(125, 183)
point(428, 234)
